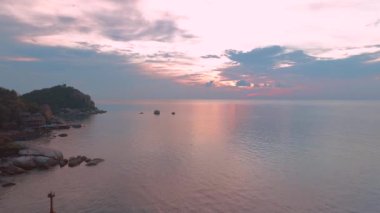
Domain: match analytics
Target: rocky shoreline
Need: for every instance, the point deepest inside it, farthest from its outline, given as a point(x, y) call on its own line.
point(39, 125)
point(36, 114)
point(32, 157)
point(17, 157)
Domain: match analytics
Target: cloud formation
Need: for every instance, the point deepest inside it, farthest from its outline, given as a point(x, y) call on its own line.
point(324, 48)
point(19, 59)
point(259, 67)
point(243, 83)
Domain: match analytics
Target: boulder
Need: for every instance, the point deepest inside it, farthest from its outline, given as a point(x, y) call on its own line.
point(62, 135)
point(11, 169)
point(77, 126)
point(63, 162)
point(84, 158)
point(24, 162)
point(8, 184)
point(75, 161)
point(41, 151)
point(156, 112)
point(94, 162)
point(44, 162)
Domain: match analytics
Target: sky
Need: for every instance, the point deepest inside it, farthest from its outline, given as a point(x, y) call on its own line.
point(212, 49)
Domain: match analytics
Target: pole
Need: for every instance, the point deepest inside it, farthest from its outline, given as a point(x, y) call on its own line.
point(51, 195)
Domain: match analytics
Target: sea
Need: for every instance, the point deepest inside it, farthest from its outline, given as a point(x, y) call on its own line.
point(213, 156)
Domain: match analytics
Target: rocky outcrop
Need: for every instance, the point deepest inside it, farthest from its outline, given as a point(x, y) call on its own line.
point(33, 157)
point(62, 163)
point(8, 184)
point(41, 151)
point(30, 158)
point(62, 135)
point(10, 169)
point(94, 162)
point(25, 162)
point(44, 162)
point(76, 161)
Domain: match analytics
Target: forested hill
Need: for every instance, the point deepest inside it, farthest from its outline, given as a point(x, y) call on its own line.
point(57, 100)
point(10, 106)
point(59, 97)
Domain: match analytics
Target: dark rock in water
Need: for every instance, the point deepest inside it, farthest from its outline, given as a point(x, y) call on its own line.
point(141, 113)
point(62, 135)
point(41, 151)
point(44, 162)
point(11, 170)
point(25, 162)
point(87, 160)
point(8, 184)
point(63, 162)
point(173, 113)
point(156, 112)
point(75, 161)
point(94, 162)
point(63, 126)
point(77, 126)
point(100, 111)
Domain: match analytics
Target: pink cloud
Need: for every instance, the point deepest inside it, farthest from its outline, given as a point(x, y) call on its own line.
point(19, 59)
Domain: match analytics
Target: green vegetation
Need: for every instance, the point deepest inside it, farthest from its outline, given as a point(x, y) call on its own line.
point(59, 97)
point(11, 105)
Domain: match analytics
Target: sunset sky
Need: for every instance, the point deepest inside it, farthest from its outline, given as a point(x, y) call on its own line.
point(241, 49)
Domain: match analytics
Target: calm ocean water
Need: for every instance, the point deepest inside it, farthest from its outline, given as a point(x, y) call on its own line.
point(214, 156)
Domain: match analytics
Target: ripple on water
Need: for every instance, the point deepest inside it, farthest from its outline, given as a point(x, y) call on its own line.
point(215, 157)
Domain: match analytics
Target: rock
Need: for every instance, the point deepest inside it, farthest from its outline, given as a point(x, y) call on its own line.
point(44, 162)
point(8, 184)
point(25, 162)
point(4, 139)
point(75, 161)
point(41, 151)
point(84, 158)
point(94, 162)
point(11, 169)
point(173, 113)
point(156, 112)
point(76, 126)
point(62, 135)
point(141, 113)
point(63, 162)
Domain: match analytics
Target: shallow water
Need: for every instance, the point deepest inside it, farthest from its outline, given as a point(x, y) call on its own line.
point(214, 156)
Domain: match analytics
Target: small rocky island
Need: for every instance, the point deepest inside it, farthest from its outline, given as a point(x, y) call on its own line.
point(36, 114)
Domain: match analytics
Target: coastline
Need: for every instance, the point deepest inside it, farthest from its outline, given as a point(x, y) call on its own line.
point(17, 157)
